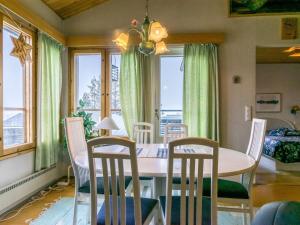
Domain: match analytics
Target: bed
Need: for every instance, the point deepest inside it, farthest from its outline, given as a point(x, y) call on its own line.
point(281, 150)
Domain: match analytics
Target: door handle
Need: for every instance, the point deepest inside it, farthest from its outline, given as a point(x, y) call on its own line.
point(156, 114)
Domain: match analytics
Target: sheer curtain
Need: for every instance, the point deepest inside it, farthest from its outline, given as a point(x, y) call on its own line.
point(48, 107)
point(200, 90)
point(133, 76)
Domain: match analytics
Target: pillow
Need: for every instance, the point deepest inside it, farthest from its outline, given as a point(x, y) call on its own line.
point(278, 132)
point(293, 133)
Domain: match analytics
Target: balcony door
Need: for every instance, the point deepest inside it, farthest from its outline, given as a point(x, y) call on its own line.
point(169, 70)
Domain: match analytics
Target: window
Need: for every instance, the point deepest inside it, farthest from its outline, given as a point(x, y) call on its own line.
point(18, 100)
point(171, 90)
point(88, 74)
point(115, 105)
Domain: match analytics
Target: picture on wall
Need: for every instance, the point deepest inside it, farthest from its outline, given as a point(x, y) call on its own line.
point(268, 102)
point(263, 7)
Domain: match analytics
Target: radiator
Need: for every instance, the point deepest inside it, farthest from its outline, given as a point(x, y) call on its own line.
point(15, 193)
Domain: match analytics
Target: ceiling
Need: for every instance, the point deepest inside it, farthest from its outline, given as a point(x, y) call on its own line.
point(68, 8)
point(265, 55)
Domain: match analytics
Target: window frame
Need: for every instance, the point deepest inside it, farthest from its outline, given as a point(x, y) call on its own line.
point(72, 77)
point(105, 78)
point(29, 97)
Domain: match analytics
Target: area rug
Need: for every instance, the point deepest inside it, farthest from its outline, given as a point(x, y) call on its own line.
point(61, 213)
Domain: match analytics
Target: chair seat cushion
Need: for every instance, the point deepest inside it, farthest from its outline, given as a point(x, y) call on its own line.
point(177, 180)
point(147, 205)
point(226, 189)
point(175, 211)
point(85, 188)
point(146, 178)
point(278, 213)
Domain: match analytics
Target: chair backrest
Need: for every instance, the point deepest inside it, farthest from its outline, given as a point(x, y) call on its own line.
point(174, 131)
point(143, 133)
point(76, 143)
point(195, 161)
point(113, 167)
point(257, 138)
point(254, 150)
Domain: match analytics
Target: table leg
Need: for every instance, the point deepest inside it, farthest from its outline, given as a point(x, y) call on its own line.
point(159, 187)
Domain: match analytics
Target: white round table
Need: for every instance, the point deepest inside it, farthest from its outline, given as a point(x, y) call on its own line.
point(231, 162)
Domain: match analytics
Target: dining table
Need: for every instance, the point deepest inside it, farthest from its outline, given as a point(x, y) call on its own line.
point(152, 161)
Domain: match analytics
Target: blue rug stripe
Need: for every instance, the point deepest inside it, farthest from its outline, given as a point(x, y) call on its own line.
point(55, 213)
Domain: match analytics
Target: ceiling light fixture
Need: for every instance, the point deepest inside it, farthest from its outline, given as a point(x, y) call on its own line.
point(151, 34)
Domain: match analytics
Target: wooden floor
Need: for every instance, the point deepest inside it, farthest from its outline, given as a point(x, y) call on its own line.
point(262, 194)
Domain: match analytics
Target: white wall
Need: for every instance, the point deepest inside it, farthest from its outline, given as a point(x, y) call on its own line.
point(237, 54)
point(41, 9)
point(15, 168)
point(284, 79)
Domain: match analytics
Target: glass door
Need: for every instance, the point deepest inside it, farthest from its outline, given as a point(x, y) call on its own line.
point(170, 83)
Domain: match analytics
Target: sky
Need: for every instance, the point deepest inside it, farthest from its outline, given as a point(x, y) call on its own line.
point(12, 76)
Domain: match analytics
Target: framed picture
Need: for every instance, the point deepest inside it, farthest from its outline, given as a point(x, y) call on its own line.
point(268, 102)
point(263, 7)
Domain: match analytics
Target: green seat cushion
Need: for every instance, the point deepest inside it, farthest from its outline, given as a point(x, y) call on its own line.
point(85, 188)
point(177, 180)
point(175, 210)
point(147, 206)
point(146, 178)
point(278, 213)
point(226, 189)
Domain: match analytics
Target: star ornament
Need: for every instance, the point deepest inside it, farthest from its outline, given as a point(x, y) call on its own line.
point(21, 49)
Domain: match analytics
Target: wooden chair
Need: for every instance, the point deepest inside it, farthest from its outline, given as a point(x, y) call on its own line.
point(191, 207)
point(234, 193)
point(77, 146)
point(118, 209)
point(174, 131)
point(143, 133)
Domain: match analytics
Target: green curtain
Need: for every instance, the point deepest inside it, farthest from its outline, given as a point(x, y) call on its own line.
point(133, 72)
point(200, 90)
point(48, 107)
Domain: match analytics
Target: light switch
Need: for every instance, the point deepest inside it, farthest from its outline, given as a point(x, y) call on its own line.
point(248, 113)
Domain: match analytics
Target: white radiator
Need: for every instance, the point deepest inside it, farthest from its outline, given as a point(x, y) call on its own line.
point(13, 194)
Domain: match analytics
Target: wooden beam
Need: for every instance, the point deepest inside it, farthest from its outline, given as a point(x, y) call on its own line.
point(101, 40)
point(20, 10)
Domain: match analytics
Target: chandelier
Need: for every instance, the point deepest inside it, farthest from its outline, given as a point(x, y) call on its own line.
point(293, 51)
point(151, 34)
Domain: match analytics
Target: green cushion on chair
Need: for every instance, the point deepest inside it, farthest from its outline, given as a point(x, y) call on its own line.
point(85, 188)
point(278, 213)
point(226, 189)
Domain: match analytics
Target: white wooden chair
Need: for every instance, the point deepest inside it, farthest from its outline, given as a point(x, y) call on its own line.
point(191, 207)
point(77, 146)
point(234, 193)
point(143, 134)
point(118, 209)
point(174, 131)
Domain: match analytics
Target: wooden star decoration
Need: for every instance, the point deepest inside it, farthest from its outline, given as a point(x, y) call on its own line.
point(21, 49)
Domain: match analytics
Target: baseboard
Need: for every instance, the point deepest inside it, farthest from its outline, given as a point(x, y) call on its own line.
point(18, 192)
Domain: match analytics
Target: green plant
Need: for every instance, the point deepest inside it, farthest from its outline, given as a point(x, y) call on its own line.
point(88, 121)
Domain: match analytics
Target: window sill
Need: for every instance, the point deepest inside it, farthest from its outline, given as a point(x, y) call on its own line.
point(16, 151)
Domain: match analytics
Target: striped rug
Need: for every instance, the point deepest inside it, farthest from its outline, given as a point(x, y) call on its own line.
point(61, 213)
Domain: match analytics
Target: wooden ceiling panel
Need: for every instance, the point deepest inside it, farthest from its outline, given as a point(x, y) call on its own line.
point(68, 8)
